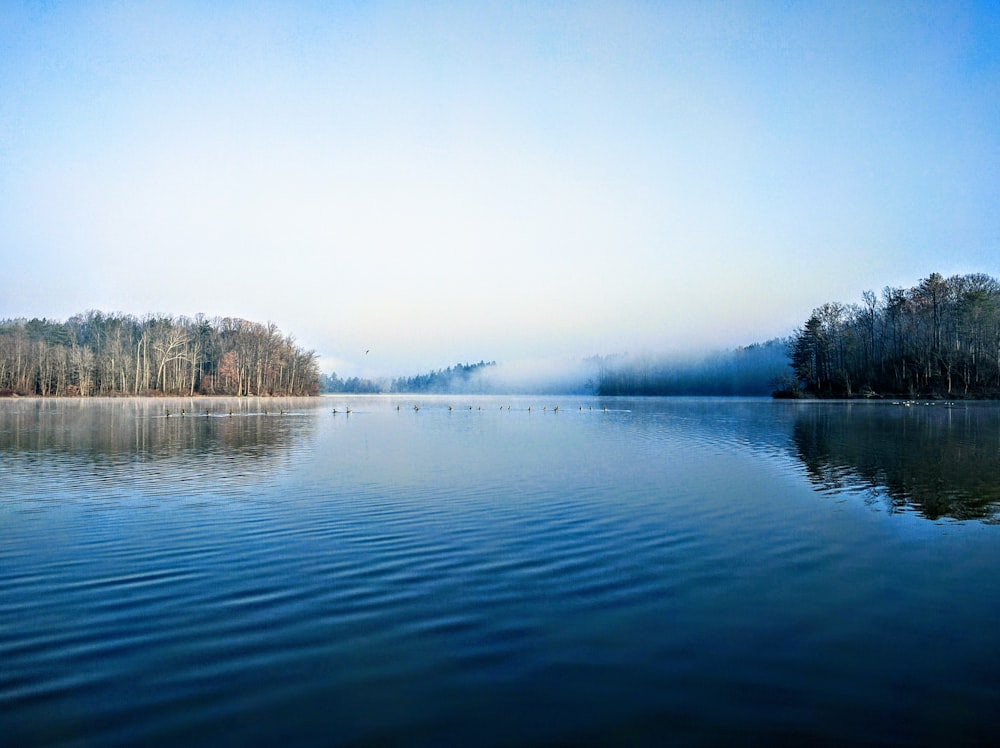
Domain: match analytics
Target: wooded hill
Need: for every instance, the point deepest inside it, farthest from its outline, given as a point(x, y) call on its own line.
point(116, 354)
point(940, 338)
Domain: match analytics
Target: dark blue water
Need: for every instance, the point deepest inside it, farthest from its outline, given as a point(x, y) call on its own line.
point(664, 572)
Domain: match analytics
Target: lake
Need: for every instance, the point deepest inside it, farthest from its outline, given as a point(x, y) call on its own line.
point(497, 571)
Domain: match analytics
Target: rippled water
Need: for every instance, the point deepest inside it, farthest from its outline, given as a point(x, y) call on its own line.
point(663, 571)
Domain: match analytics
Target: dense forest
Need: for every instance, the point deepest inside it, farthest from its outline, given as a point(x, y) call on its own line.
point(116, 354)
point(748, 370)
point(940, 338)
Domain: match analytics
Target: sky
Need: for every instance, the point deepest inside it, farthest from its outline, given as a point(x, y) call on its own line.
point(405, 186)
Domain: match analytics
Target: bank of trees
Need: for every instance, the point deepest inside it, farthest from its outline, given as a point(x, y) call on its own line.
point(115, 354)
point(940, 338)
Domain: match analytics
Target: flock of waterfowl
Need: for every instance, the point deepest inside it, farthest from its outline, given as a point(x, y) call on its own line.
point(208, 412)
point(416, 408)
point(555, 409)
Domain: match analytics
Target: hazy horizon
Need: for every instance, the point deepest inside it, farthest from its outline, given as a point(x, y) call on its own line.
point(404, 186)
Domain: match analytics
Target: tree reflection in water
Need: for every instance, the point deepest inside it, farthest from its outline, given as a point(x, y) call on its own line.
point(938, 460)
point(82, 448)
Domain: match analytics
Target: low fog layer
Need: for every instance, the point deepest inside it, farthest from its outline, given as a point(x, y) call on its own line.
point(750, 370)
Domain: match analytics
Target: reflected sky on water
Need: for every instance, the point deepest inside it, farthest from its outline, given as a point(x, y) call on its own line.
point(496, 571)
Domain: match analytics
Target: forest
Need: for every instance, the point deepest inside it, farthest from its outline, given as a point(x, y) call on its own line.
point(938, 339)
point(97, 354)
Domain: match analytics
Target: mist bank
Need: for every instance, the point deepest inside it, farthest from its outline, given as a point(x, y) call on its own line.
point(98, 354)
point(555, 377)
point(755, 369)
point(747, 370)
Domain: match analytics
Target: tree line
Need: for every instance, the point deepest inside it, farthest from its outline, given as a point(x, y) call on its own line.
point(97, 354)
point(940, 338)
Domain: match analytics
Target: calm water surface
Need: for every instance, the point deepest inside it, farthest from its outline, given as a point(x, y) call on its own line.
point(680, 571)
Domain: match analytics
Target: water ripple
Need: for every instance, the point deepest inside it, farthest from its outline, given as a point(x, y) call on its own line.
point(659, 571)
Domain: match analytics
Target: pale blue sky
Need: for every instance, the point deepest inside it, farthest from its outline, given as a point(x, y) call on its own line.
point(443, 182)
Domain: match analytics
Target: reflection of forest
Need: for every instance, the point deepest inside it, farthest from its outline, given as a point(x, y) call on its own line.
point(214, 430)
point(940, 461)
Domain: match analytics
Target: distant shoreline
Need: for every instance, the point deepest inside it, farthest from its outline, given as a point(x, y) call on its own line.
point(196, 396)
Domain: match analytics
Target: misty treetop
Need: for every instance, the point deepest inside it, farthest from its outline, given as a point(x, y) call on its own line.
point(748, 370)
point(116, 354)
point(331, 383)
point(460, 378)
point(940, 338)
